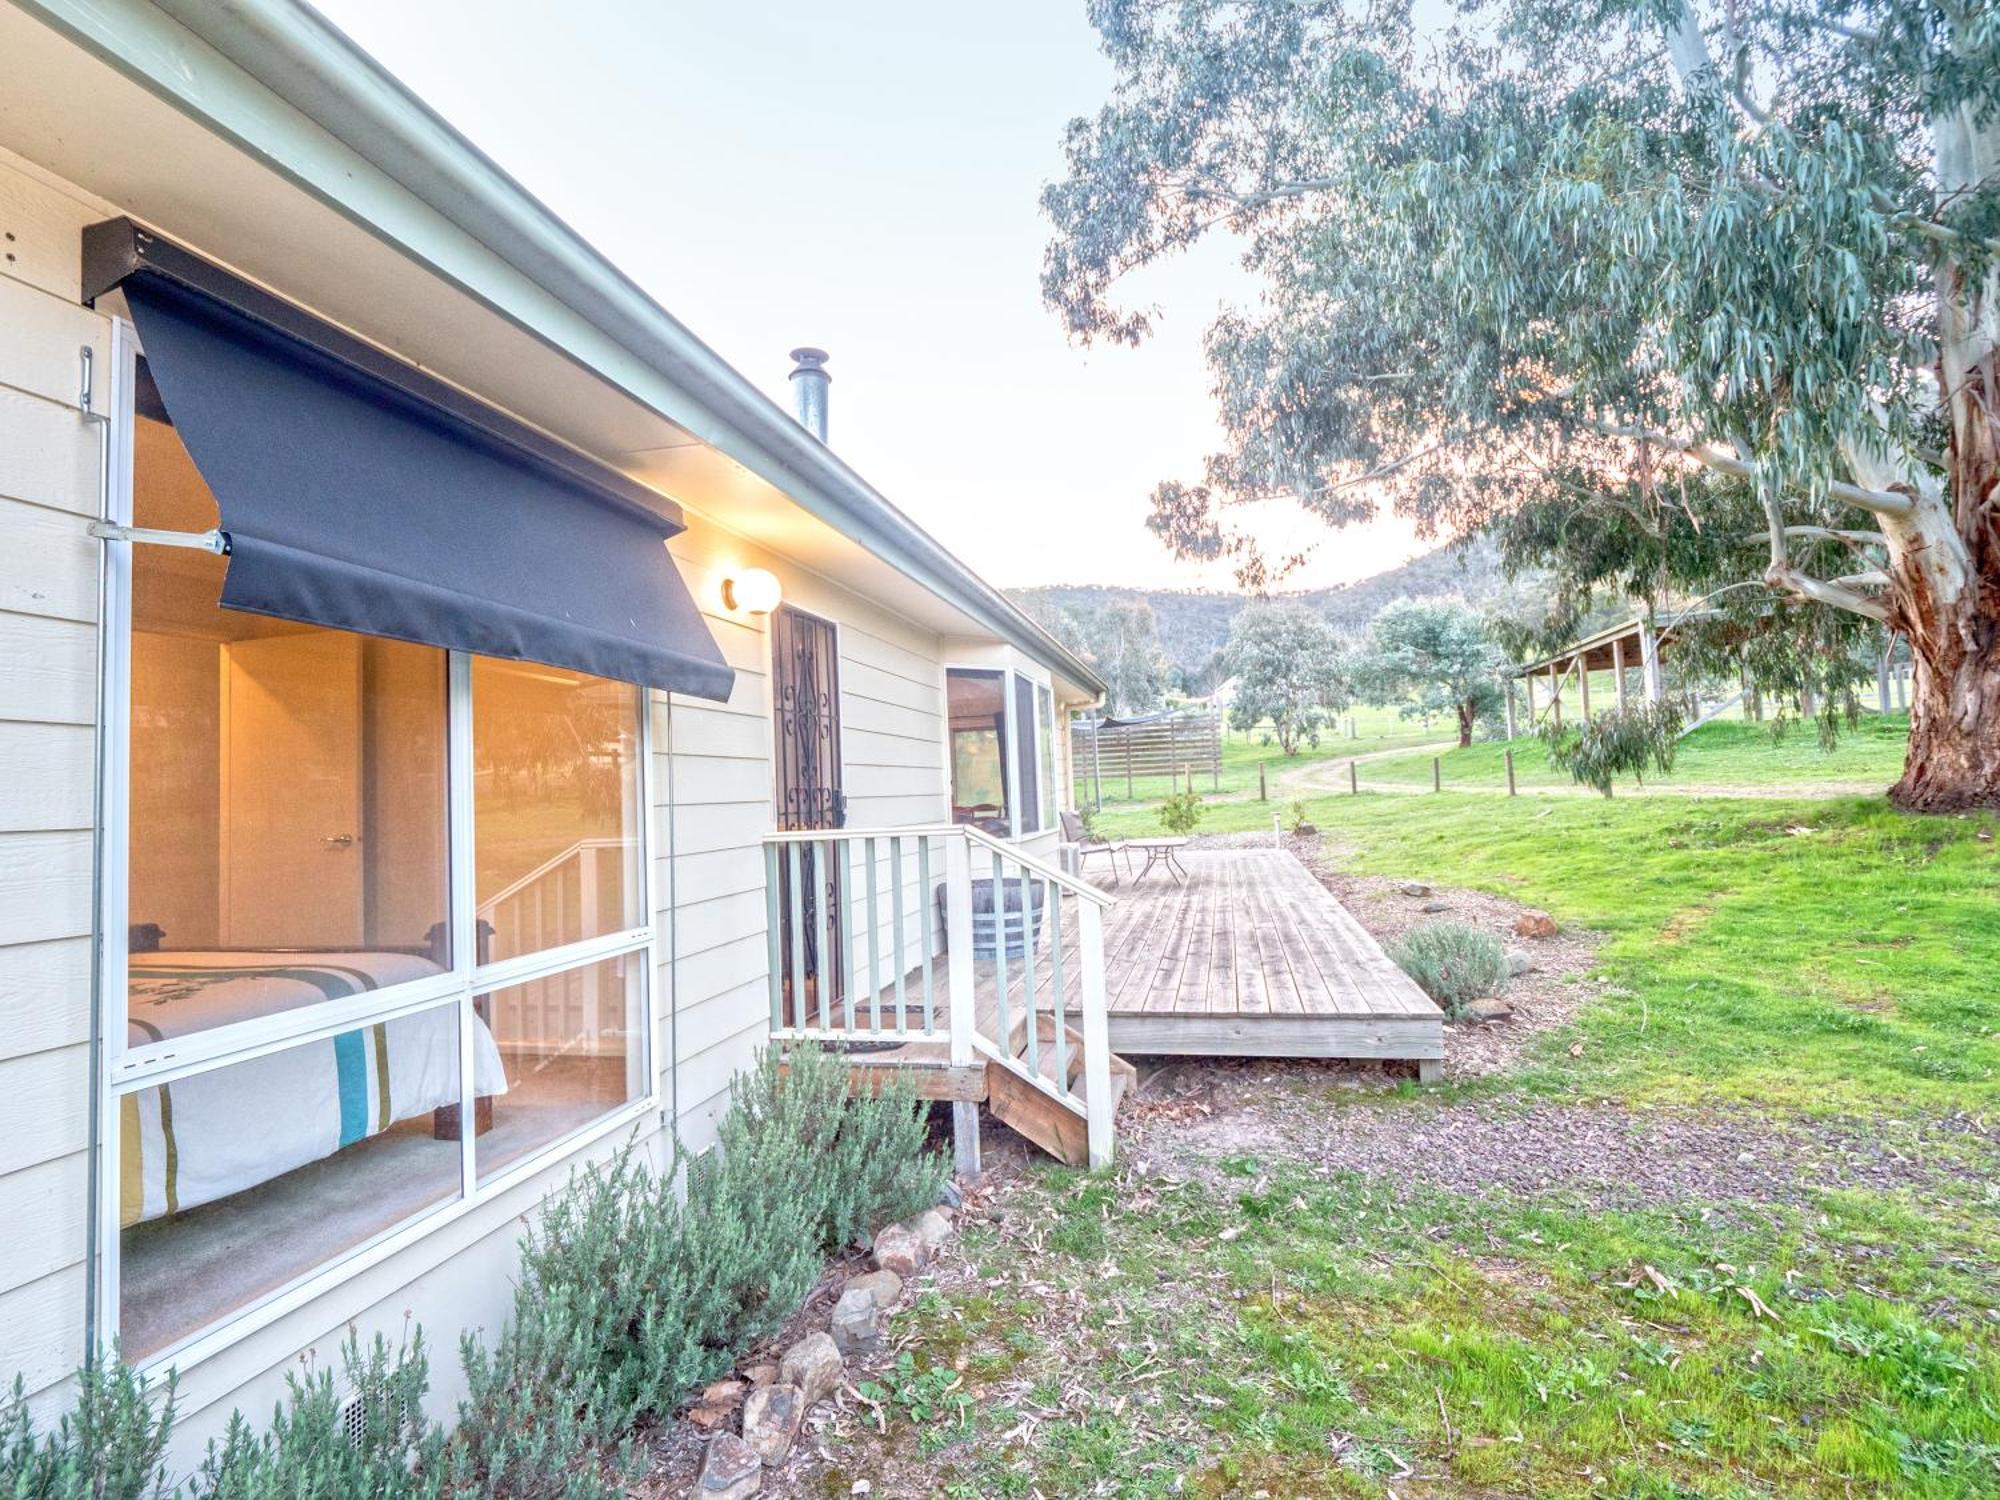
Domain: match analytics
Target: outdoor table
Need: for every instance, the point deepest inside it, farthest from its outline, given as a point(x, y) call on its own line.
point(1159, 852)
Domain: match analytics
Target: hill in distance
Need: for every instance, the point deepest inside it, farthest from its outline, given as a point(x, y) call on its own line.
point(1194, 623)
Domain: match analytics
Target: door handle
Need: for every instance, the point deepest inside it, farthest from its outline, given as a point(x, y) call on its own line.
point(338, 841)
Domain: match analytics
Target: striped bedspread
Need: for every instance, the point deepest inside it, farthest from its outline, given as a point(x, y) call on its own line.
point(202, 1138)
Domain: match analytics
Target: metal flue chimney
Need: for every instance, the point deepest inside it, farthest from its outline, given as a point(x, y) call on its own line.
point(809, 383)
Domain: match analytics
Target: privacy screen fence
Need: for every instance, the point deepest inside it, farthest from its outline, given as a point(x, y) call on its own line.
point(1145, 757)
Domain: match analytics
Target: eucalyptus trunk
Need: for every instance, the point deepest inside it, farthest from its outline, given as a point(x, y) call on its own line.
point(1945, 556)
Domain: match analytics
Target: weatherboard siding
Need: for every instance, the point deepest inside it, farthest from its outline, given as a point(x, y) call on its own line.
point(48, 665)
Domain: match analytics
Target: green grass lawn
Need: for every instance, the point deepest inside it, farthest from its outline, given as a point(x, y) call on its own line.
point(1725, 753)
point(1244, 750)
point(1274, 1328)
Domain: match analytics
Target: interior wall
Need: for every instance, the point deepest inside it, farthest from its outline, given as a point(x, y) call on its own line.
point(176, 877)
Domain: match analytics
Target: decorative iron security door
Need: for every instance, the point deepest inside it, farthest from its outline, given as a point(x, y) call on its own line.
point(806, 703)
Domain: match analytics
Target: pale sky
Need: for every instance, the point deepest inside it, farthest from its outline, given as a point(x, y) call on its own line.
point(863, 176)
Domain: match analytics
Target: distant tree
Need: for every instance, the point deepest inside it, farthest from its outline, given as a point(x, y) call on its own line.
point(1120, 641)
point(1432, 657)
point(1126, 648)
point(1289, 669)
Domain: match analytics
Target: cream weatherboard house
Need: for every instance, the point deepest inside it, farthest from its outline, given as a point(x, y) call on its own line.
point(449, 722)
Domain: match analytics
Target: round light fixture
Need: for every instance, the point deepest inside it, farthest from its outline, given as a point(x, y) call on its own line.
point(755, 591)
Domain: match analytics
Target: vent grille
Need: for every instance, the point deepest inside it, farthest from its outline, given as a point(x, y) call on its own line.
point(364, 1404)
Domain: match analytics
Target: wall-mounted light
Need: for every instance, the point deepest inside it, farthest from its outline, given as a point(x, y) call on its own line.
point(754, 591)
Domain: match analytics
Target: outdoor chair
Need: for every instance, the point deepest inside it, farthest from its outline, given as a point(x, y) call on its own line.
point(1080, 847)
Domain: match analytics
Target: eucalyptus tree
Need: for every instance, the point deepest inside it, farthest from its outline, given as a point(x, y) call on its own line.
point(1720, 276)
point(1432, 656)
point(1290, 672)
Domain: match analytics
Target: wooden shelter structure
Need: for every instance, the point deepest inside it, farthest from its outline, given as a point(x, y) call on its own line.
point(1635, 643)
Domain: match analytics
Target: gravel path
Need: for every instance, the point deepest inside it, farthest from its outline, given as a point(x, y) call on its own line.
point(1601, 1156)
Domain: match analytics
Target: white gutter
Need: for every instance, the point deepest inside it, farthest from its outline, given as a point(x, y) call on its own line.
point(574, 299)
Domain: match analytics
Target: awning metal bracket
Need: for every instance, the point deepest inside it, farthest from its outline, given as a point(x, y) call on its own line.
point(216, 541)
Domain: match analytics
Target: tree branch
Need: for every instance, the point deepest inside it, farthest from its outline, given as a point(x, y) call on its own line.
point(1882, 502)
point(1790, 580)
point(1821, 534)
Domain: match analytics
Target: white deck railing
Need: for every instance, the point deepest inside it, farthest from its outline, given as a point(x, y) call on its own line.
point(876, 936)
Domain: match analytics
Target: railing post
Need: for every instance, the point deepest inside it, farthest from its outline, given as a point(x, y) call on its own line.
point(1096, 1032)
point(773, 937)
point(960, 995)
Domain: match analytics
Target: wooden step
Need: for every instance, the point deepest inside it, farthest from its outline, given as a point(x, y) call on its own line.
point(1060, 1127)
point(1057, 1126)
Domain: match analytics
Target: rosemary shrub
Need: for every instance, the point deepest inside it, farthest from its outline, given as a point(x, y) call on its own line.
point(1452, 963)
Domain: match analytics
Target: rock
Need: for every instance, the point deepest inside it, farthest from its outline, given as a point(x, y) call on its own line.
point(951, 1195)
point(1520, 961)
point(1414, 888)
point(724, 1393)
point(730, 1469)
point(1435, 906)
point(771, 1421)
point(813, 1365)
point(708, 1418)
point(858, 1326)
point(885, 1287)
point(1489, 1010)
point(1535, 924)
point(932, 1229)
point(860, 1322)
point(1305, 830)
point(899, 1250)
point(761, 1374)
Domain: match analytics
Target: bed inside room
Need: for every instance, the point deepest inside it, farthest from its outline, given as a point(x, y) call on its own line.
point(289, 817)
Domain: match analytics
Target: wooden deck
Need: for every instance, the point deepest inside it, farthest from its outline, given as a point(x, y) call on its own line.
point(1253, 957)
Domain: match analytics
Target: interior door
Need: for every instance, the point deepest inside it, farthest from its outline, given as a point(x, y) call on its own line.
point(806, 705)
point(291, 792)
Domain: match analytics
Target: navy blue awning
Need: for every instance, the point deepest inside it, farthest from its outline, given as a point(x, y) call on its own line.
point(361, 494)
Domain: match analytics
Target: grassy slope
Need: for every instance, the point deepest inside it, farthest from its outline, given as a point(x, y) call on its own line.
point(1725, 753)
point(1295, 1334)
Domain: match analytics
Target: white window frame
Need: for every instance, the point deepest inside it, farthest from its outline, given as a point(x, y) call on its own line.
point(123, 1070)
point(1010, 748)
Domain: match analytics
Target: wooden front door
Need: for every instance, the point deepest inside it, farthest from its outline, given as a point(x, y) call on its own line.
point(805, 700)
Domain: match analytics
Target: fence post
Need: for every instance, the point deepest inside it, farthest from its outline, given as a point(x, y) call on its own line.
point(1510, 771)
point(1354, 777)
point(1437, 773)
point(1263, 791)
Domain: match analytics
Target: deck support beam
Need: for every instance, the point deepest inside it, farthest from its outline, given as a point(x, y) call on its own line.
point(965, 1140)
point(1618, 668)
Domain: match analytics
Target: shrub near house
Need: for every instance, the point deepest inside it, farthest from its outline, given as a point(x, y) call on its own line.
point(635, 1288)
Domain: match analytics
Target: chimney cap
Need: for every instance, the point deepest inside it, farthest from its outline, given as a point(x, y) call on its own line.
point(808, 360)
